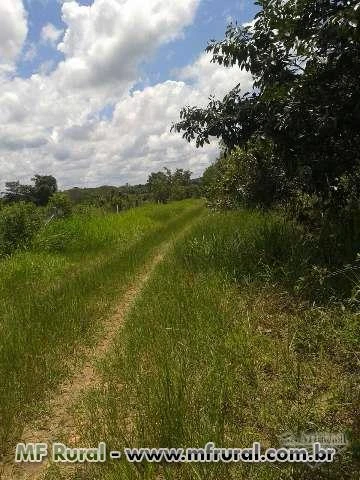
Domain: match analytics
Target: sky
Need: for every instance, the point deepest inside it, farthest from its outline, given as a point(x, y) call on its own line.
point(89, 89)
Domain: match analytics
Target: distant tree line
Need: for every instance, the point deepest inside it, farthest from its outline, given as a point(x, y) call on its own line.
point(25, 208)
point(165, 186)
point(39, 193)
point(162, 186)
point(109, 198)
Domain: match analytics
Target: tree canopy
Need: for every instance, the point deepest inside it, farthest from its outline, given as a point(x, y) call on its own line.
point(166, 185)
point(39, 193)
point(304, 57)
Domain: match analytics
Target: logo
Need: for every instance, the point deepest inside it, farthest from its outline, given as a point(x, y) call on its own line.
point(338, 441)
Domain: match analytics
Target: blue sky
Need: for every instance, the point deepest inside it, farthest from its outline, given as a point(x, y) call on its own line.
point(210, 22)
point(41, 13)
point(85, 70)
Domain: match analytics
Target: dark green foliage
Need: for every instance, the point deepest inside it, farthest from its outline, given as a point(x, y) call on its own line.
point(110, 198)
point(44, 187)
point(305, 60)
point(180, 183)
point(248, 176)
point(15, 192)
point(294, 141)
point(165, 186)
point(39, 193)
point(18, 225)
point(160, 186)
point(60, 205)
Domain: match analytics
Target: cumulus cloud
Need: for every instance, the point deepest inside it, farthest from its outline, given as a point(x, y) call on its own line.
point(50, 34)
point(53, 123)
point(105, 42)
point(212, 79)
point(13, 31)
point(138, 140)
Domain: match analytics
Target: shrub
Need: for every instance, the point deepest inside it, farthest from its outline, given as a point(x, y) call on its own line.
point(249, 176)
point(60, 205)
point(18, 225)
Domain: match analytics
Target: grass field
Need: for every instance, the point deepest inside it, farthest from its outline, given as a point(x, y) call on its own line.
point(54, 296)
point(217, 350)
point(222, 345)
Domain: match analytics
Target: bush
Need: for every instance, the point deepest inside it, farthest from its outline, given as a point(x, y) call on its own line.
point(60, 205)
point(249, 176)
point(253, 246)
point(334, 222)
point(18, 225)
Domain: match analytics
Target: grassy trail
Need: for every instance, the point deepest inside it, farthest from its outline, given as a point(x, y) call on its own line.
point(58, 422)
point(207, 344)
point(216, 350)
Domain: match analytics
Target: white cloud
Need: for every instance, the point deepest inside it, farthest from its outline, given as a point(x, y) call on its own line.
point(212, 79)
point(51, 122)
point(105, 42)
point(13, 31)
point(30, 53)
point(50, 34)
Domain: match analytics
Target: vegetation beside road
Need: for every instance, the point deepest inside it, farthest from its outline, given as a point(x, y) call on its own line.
point(55, 294)
point(249, 329)
point(220, 349)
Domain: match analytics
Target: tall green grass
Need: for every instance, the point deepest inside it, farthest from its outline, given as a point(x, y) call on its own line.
point(217, 350)
point(53, 297)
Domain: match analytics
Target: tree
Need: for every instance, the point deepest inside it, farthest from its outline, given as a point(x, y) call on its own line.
point(160, 185)
point(165, 186)
point(181, 177)
point(248, 176)
point(39, 193)
point(60, 205)
point(304, 57)
point(15, 192)
point(180, 183)
point(18, 225)
point(44, 187)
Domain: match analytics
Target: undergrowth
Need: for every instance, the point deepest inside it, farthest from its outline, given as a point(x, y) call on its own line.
point(219, 348)
point(54, 296)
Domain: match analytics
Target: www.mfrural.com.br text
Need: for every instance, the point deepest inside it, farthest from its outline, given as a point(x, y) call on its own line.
point(60, 453)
